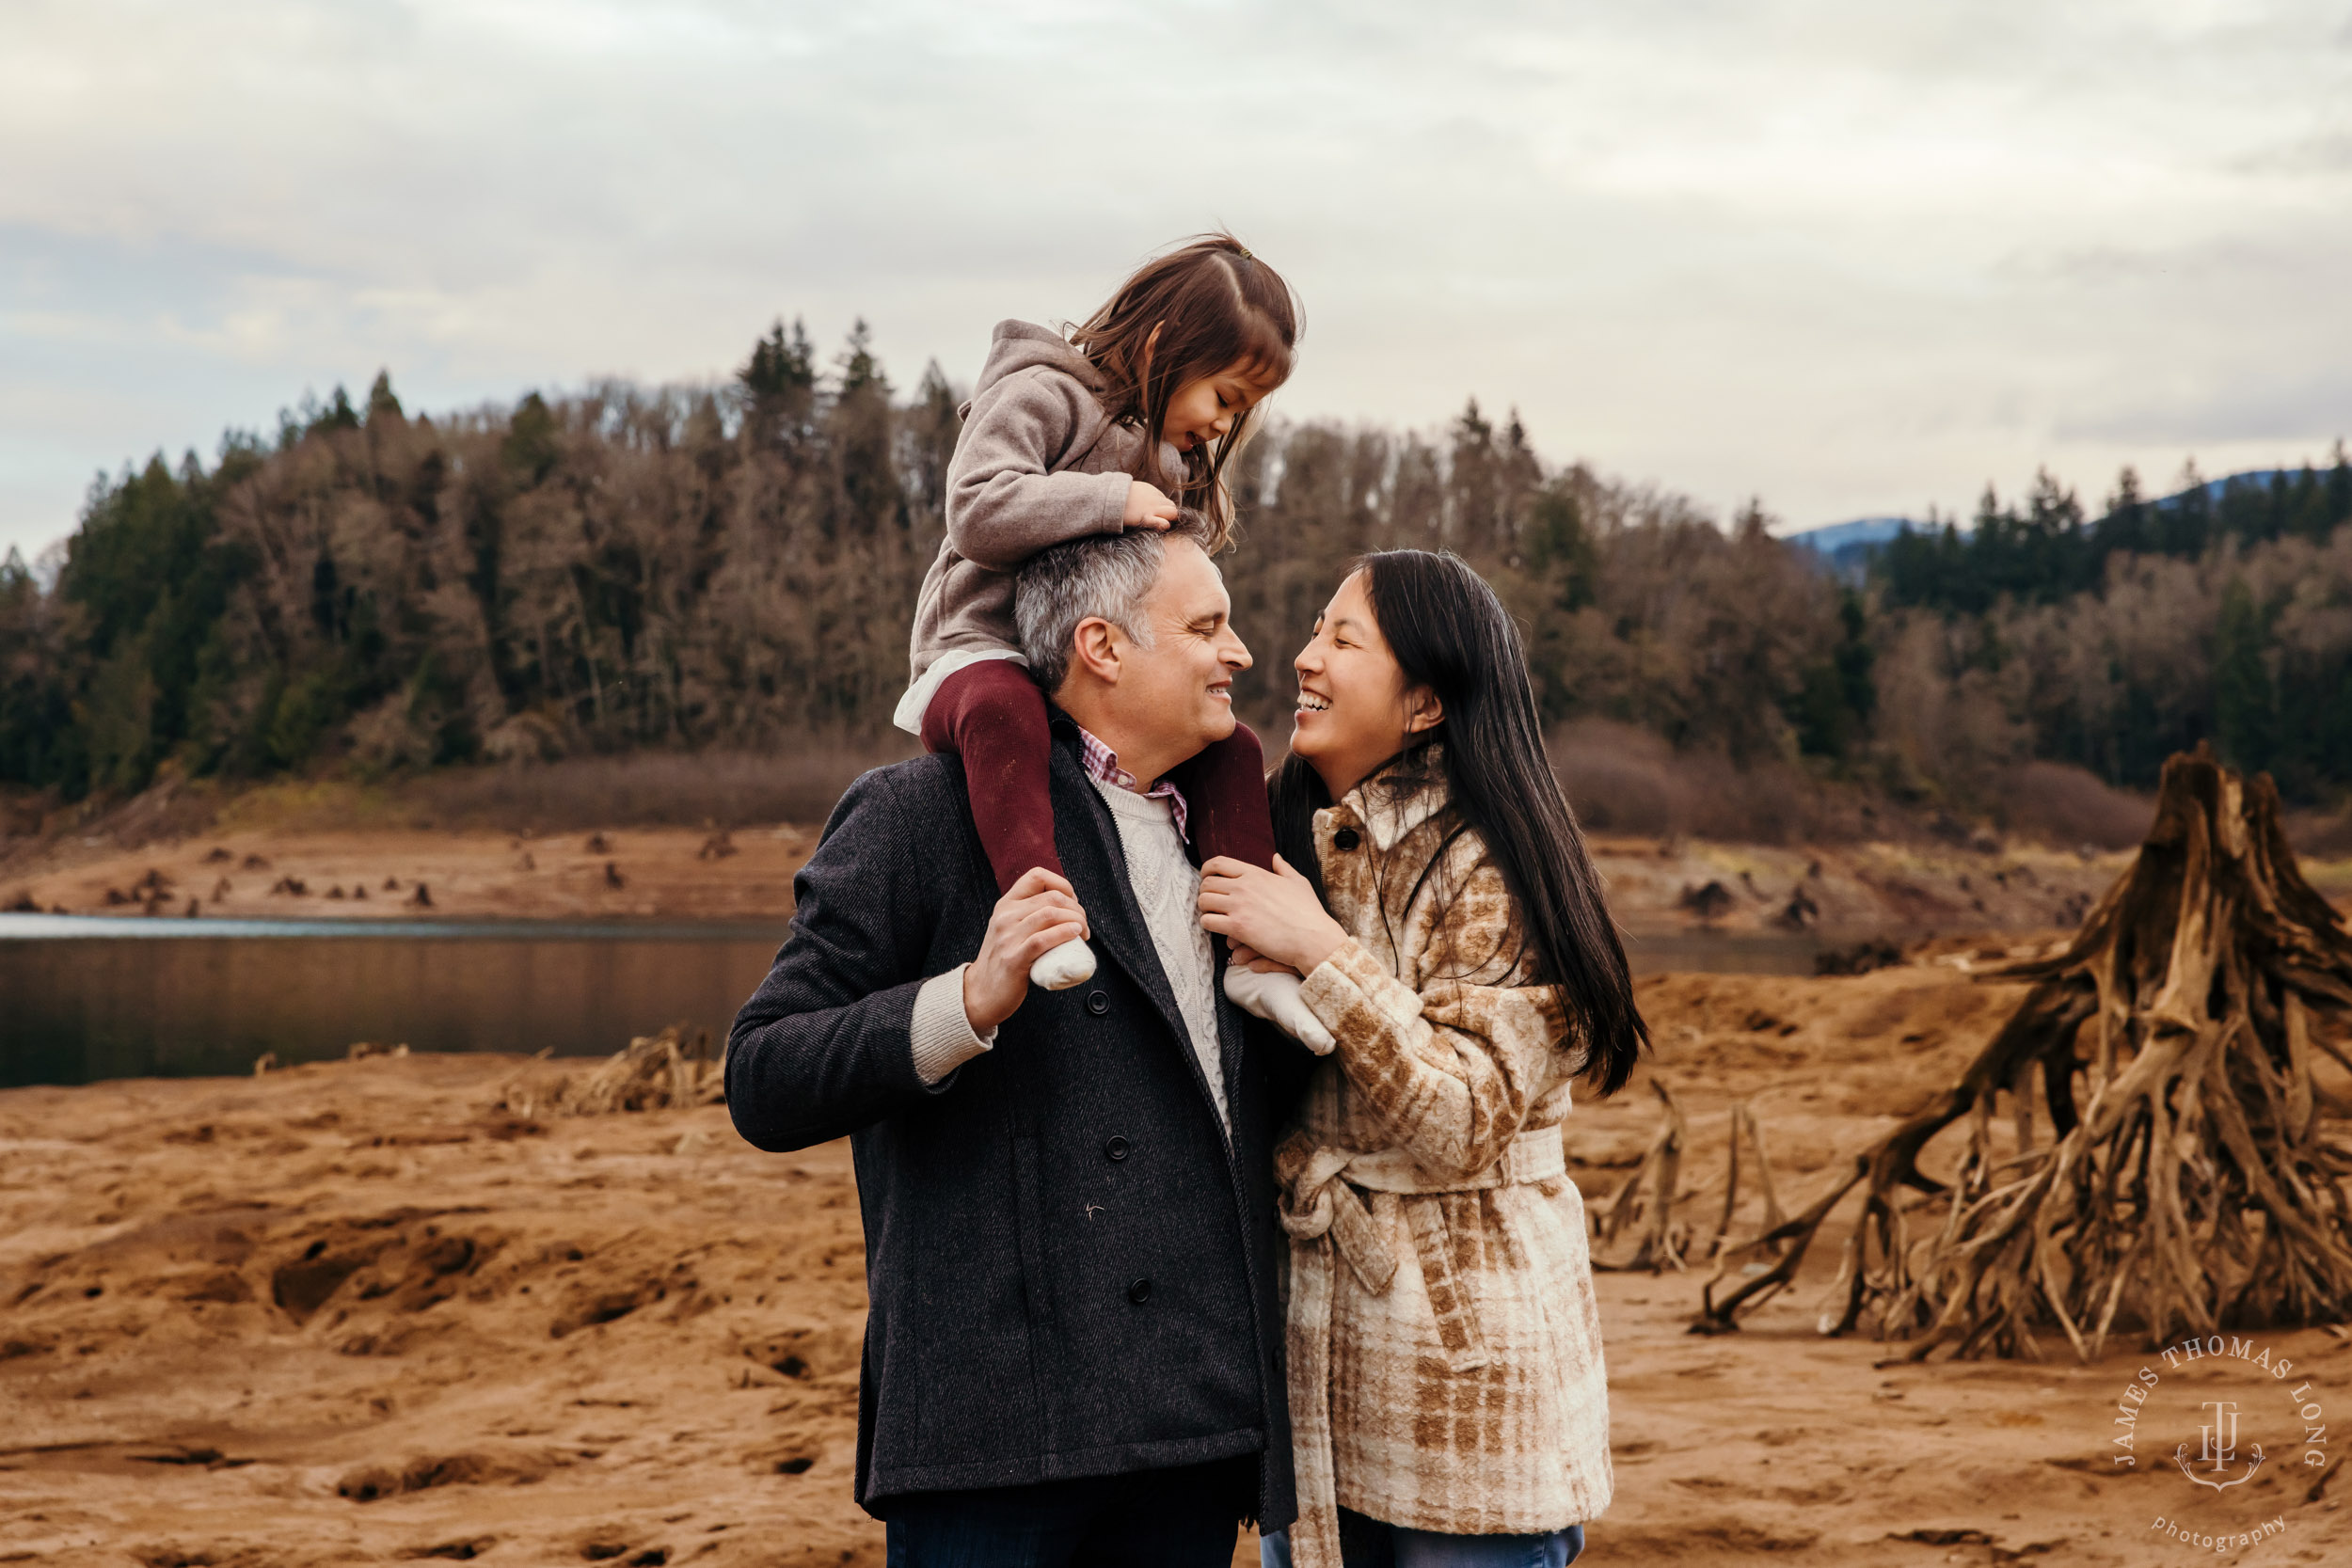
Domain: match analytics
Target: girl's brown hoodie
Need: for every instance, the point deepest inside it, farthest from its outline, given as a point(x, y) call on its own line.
point(1039, 462)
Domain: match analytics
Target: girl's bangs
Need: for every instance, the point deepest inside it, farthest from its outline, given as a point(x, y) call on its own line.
point(1264, 357)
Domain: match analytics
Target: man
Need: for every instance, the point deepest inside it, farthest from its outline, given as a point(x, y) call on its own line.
point(1071, 1350)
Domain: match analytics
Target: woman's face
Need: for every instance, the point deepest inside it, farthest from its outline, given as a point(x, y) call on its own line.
point(1355, 709)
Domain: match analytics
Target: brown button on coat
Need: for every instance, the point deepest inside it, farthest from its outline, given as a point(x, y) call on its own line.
point(1444, 1344)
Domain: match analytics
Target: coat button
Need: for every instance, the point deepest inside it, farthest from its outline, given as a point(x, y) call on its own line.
point(1346, 838)
point(1140, 1291)
point(1098, 1004)
point(1116, 1149)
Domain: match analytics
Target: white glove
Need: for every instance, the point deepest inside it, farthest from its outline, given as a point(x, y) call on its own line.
point(1273, 995)
point(1060, 968)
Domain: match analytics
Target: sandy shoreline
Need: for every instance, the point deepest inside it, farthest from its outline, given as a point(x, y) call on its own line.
point(746, 875)
point(357, 1313)
point(375, 874)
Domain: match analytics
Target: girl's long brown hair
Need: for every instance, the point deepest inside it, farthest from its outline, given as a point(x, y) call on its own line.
point(1214, 306)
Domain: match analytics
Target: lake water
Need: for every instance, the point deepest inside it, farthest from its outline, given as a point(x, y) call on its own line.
point(88, 997)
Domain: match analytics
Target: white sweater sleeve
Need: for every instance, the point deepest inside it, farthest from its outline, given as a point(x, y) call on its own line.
point(940, 1037)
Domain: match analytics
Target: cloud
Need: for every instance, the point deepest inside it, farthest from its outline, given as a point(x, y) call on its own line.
point(1851, 258)
point(2246, 409)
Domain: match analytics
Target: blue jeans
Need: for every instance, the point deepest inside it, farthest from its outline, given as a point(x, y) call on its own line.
point(1179, 1518)
point(1367, 1543)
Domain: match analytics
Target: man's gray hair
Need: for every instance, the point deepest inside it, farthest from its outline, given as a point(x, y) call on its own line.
point(1108, 575)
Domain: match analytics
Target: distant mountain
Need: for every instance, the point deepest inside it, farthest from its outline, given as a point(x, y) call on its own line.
point(1829, 538)
point(2215, 488)
point(1832, 537)
point(1846, 549)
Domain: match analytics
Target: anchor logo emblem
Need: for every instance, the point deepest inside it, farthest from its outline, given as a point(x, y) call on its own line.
point(2219, 1447)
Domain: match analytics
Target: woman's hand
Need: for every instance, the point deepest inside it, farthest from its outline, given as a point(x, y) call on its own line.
point(1240, 955)
point(1274, 913)
point(1148, 506)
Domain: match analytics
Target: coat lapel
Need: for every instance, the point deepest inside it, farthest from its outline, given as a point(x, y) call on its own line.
point(1089, 841)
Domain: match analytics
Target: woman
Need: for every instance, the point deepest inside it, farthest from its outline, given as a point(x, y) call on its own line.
point(1447, 1395)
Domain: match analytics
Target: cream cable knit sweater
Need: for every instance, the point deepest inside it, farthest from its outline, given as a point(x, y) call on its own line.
point(1168, 889)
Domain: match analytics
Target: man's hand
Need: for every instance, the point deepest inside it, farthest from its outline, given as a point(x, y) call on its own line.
point(1148, 506)
point(1275, 912)
point(1038, 915)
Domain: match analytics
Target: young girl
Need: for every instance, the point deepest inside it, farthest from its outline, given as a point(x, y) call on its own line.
point(1449, 1401)
point(1133, 416)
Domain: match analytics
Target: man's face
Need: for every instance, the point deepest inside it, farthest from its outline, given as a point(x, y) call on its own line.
point(1180, 691)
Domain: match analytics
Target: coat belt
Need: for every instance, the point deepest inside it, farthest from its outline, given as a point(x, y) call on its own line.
point(1324, 1213)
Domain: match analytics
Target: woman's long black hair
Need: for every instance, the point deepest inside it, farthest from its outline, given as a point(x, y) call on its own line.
point(1451, 634)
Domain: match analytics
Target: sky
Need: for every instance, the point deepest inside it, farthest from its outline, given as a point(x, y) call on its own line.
point(1847, 258)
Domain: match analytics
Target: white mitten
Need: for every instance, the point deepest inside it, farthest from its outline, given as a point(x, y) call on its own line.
point(1060, 968)
point(1273, 995)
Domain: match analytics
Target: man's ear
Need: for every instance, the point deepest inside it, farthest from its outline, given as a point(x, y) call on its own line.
point(1096, 649)
point(1423, 711)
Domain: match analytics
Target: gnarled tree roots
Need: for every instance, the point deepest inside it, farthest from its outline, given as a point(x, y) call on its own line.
point(2185, 1181)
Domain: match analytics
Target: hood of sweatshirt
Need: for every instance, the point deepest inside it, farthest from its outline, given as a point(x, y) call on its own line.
point(1019, 345)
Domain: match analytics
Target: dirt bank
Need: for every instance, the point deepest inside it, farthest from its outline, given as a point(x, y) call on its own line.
point(357, 1313)
point(376, 874)
point(695, 874)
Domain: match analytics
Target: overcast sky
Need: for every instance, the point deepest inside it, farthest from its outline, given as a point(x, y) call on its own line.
point(1853, 258)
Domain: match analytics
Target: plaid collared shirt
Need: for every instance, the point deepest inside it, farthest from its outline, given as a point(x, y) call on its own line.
point(1102, 764)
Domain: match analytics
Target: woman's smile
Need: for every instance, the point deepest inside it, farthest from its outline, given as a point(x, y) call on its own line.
point(1355, 709)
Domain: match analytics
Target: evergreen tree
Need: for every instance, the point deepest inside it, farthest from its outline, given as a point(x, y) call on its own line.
point(382, 405)
point(2244, 706)
point(780, 365)
point(933, 426)
point(2184, 524)
point(1832, 708)
point(2124, 527)
point(337, 415)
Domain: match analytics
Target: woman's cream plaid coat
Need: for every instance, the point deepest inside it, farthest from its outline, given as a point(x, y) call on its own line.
point(1444, 1344)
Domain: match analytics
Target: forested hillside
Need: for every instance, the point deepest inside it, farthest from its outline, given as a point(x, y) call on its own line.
point(2221, 611)
point(735, 567)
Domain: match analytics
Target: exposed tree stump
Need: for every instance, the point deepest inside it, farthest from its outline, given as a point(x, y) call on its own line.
point(1644, 1200)
point(2196, 1188)
point(655, 1072)
point(1744, 1124)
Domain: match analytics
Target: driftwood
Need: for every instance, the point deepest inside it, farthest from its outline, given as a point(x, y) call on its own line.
point(1745, 1122)
point(1644, 1200)
point(656, 1073)
point(2195, 1187)
point(1643, 1203)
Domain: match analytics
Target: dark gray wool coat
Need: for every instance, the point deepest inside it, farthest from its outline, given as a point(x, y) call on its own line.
point(1071, 1272)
